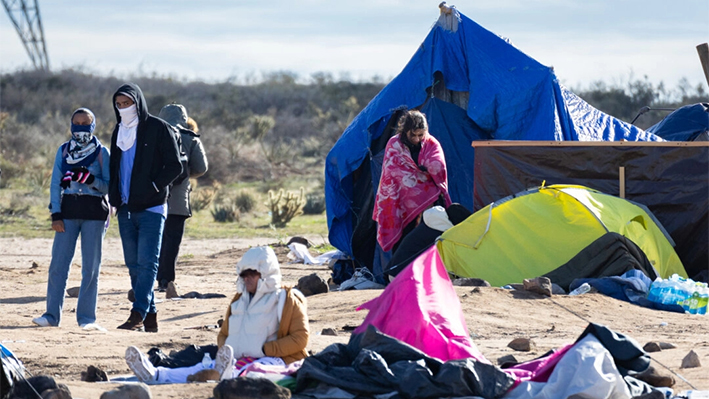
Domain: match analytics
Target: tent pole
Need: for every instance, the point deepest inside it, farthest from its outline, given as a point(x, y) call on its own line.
point(621, 181)
point(703, 50)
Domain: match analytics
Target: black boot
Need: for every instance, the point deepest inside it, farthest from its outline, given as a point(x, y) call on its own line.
point(134, 322)
point(151, 322)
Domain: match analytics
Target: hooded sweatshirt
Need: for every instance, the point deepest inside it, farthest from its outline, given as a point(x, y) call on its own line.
point(156, 163)
point(254, 319)
point(179, 201)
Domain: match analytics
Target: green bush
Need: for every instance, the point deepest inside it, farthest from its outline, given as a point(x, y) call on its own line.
point(203, 197)
point(226, 213)
point(314, 204)
point(285, 206)
point(245, 201)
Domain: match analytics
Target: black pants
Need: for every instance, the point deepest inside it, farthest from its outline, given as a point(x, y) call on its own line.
point(170, 248)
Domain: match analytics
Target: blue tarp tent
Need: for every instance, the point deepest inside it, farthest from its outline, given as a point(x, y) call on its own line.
point(501, 94)
point(688, 123)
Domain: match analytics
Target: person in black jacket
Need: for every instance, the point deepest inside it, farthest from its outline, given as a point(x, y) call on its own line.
point(145, 160)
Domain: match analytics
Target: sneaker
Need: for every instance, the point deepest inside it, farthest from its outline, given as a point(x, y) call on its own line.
point(224, 364)
point(42, 321)
point(140, 365)
point(92, 327)
point(362, 279)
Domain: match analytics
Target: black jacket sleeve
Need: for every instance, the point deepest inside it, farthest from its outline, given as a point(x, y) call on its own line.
point(171, 159)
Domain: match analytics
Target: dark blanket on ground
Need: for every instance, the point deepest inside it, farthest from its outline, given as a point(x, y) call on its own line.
point(621, 289)
point(197, 295)
point(374, 363)
point(610, 255)
point(189, 356)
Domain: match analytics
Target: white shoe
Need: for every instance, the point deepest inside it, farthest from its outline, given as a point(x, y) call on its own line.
point(362, 279)
point(42, 321)
point(92, 327)
point(140, 365)
point(224, 363)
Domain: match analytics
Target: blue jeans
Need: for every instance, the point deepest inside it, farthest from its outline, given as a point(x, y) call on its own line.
point(141, 236)
point(92, 232)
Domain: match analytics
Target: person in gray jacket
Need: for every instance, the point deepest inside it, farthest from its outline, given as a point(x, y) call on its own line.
point(194, 164)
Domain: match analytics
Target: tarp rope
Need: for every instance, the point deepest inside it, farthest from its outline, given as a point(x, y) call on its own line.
point(19, 373)
point(653, 359)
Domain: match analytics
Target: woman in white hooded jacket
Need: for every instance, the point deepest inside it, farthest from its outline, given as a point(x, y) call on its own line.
point(265, 323)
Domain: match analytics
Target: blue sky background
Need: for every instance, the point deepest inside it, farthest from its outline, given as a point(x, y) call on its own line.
point(585, 41)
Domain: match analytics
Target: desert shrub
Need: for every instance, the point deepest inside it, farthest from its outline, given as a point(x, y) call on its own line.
point(39, 178)
point(245, 201)
point(271, 185)
point(202, 197)
point(314, 204)
point(284, 206)
point(10, 171)
point(226, 213)
point(19, 206)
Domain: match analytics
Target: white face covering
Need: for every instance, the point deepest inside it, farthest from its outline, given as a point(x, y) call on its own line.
point(128, 127)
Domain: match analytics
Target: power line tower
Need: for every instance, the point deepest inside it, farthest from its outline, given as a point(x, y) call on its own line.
point(25, 16)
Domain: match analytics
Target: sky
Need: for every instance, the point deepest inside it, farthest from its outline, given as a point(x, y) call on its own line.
point(584, 40)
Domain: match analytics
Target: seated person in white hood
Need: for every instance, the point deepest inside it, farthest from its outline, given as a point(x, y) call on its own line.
point(265, 323)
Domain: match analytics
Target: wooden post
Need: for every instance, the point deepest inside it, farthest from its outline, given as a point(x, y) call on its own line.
point(703, 50)
point(621, 181)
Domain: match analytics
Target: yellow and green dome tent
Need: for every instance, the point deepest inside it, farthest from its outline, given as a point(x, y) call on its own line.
point(534, 232)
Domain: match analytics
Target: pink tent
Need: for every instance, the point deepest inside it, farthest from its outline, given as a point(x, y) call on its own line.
point(420, 307)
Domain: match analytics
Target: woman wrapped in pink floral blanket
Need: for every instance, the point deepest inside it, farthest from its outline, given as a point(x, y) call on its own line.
point(414, 178)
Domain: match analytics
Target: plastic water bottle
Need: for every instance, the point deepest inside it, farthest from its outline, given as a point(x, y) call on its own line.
point(581, 289)
point(703, 302)
point(206, 361)
point(655, 293)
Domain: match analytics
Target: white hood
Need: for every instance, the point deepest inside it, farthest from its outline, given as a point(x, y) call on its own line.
point(437, 218)
point(263, 260)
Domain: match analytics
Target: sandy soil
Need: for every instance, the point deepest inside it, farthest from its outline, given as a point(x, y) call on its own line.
point(494, 316)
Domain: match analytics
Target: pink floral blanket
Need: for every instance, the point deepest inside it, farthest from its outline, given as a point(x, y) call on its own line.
point(405, 190)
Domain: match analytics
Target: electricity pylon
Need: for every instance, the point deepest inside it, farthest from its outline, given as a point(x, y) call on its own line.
point(25, 16)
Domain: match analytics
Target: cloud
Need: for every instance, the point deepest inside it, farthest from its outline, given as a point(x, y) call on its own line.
point(212, 40)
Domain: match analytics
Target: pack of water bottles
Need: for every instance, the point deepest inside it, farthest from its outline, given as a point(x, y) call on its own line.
point(693, 296)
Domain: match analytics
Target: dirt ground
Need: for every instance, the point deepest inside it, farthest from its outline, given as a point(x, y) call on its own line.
point(494, 316)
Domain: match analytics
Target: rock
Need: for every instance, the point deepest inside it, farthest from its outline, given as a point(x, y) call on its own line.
point(204, 376)
point(39, 383)
point(507, 360)
point(135, 390)
point(521, 344)
point(651, 347)
point(62, 392)
point(249, 388)
point(312, 284)
point(471, 282)
point(300, 240)
point(539, 285)
point(93, 374)
point(73, 292)
point(691, 361)
point(328, 331)
point(667, 345)
point(654, 378)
